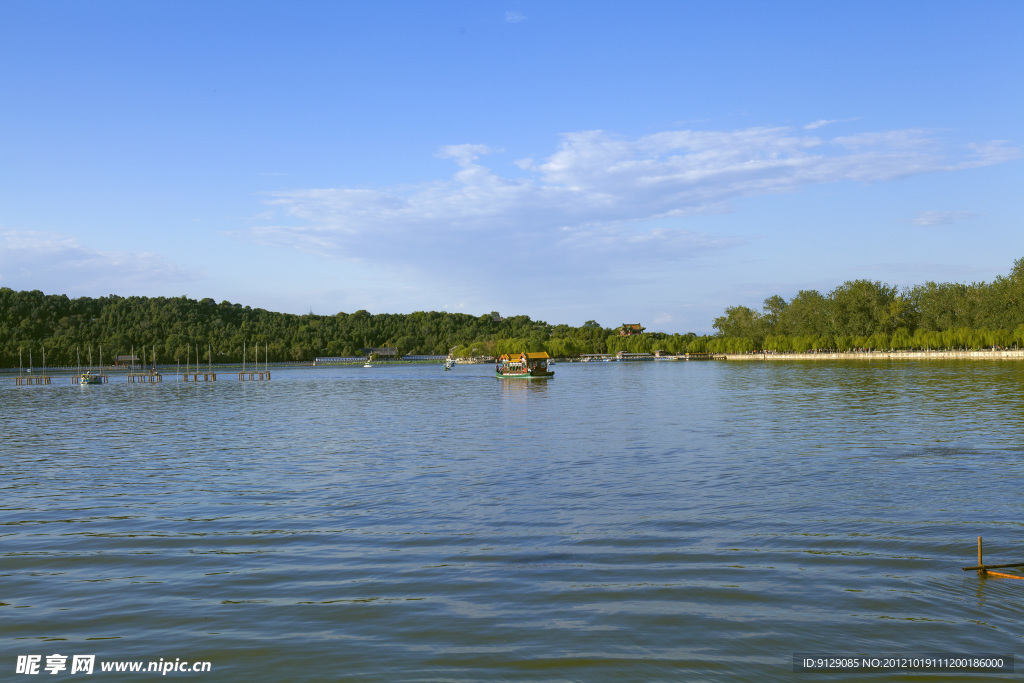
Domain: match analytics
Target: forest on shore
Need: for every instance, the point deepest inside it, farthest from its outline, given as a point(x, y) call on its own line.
point(172, 328)
point(859, 314)
point(871, 315)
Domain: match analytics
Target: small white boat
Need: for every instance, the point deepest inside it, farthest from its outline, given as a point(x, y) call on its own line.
point(367, 365)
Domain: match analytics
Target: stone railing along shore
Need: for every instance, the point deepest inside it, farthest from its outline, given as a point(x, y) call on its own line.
point(986, 354)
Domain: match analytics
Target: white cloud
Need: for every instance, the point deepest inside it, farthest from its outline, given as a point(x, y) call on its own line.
point(596, 195)
point(514, 17)
point(464, 155)
point(992, 152)
point(942, 217)
point(57, 263)
point(821, 123)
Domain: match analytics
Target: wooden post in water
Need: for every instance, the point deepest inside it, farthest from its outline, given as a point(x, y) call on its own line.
point(986, 570)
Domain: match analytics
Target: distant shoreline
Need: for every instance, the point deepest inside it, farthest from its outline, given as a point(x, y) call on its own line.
point(987, 354)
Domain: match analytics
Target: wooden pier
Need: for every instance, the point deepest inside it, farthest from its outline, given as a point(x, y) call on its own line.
point(191, 375)
point(195, 377)
point(256, 375)
point(152, 377)
point(249, 376)
point(32, 380)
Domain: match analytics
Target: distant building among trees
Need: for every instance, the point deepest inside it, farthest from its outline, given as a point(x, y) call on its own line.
point(630, 329)
point(387, 352)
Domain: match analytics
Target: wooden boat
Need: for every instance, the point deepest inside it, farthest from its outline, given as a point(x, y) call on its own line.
point(525, 365)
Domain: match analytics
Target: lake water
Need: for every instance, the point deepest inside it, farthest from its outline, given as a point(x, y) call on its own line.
point(622, 521)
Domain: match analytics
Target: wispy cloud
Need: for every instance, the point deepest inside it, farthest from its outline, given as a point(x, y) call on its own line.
point(942, 217)
point(57, 263)
point(597, 194)
point(514, 17)
point(821, 123)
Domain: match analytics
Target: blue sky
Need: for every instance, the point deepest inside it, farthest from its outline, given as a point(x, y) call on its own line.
point(645, 162)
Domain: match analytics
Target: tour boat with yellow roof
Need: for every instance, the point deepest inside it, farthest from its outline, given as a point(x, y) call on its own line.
point(525, 365)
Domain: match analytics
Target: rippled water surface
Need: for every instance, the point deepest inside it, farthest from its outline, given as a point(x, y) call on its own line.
point(623, 521)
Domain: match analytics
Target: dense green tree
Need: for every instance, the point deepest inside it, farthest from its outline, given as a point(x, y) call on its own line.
point(739, 321)
point(869, 314)
point(773, 317)
point(177, 328)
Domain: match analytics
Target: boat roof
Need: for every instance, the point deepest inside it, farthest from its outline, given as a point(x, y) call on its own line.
point(530, 355)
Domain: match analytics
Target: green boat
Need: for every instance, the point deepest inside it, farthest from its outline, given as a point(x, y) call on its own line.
point(525, 365)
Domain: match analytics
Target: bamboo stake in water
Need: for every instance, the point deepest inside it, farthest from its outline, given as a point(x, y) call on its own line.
point(983, 570)
point(983, 567)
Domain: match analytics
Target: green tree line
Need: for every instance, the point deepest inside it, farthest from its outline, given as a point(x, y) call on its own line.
point(859, 314)
point(865, 314)
point(172, 329)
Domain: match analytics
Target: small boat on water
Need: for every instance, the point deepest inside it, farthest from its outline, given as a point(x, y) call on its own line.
point(525, 365)
point(88, 379)
point(448, 364)
point(367, 365)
